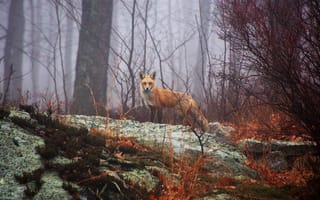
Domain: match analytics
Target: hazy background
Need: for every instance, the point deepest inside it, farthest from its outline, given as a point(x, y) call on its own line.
point(241, 60)
point(173, 25)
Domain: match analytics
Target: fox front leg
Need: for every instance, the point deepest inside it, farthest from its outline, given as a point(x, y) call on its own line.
point(159, 115)
point(152, 113)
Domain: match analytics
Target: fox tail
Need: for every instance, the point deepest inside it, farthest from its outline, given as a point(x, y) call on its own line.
point(198, 118)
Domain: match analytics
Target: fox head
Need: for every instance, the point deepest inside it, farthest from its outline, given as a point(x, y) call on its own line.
point(147, 82)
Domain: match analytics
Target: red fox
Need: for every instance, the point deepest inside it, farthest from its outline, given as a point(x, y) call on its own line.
point(158, 98)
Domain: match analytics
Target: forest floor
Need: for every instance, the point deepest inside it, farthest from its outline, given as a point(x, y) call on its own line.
point(102, 164)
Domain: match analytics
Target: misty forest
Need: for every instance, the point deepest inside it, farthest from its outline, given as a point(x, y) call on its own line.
point(252, 66)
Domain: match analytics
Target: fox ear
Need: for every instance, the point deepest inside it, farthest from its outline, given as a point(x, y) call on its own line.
point(142, 75)
point(153, 75)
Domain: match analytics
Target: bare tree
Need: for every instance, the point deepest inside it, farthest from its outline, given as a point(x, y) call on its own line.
point(200, 67)
point(224, 35)
point(35, 42)
point(147, 5)
point(131, 50)
point(13, 51)
point(92, 59)
point(277, 39)
point(68, 57)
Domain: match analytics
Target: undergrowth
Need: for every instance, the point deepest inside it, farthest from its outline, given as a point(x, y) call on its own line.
point(183, 177)
point(263, 123)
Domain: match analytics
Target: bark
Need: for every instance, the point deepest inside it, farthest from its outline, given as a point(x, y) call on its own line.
point(92, 59)
point(13, 51)
point(130, 64)
point(68, 57)
point(35, 42)
point(200, 66)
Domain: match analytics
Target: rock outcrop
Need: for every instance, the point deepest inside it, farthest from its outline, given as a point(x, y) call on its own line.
point(116, 170)
point(280, 155)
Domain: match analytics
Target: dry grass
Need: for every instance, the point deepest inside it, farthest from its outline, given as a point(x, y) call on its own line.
point(299, 175)
point(263, 123)
point(184, 181)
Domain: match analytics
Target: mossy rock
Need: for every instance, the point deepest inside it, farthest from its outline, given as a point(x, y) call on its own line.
point(141, 178)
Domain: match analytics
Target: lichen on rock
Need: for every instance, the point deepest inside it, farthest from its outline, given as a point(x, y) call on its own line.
point(18, 155)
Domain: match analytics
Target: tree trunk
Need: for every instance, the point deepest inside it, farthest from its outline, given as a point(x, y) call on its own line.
point(68, 57)
point(130, 64)
point(92, 59)
point(234, 83)
point(200, 66)
point(35, 42)
point(13, 52)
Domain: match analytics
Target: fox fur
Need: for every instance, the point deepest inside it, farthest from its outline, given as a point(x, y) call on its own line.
point(159, 98)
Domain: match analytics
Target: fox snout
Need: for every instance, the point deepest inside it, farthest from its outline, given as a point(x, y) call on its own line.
point(147, 89)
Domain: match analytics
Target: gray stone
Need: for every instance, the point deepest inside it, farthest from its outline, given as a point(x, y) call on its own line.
point(52, 188)
point(18, 141)
point(294, 148)
point(276, 161)
point(286, 147)
point(217, 195)
point(141, 177)
point(59, 160)
point(180, 138)
point(18, 155)
point(19, 114)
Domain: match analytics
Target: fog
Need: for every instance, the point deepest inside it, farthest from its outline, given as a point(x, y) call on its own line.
point(51, 39)
point(240, 60)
